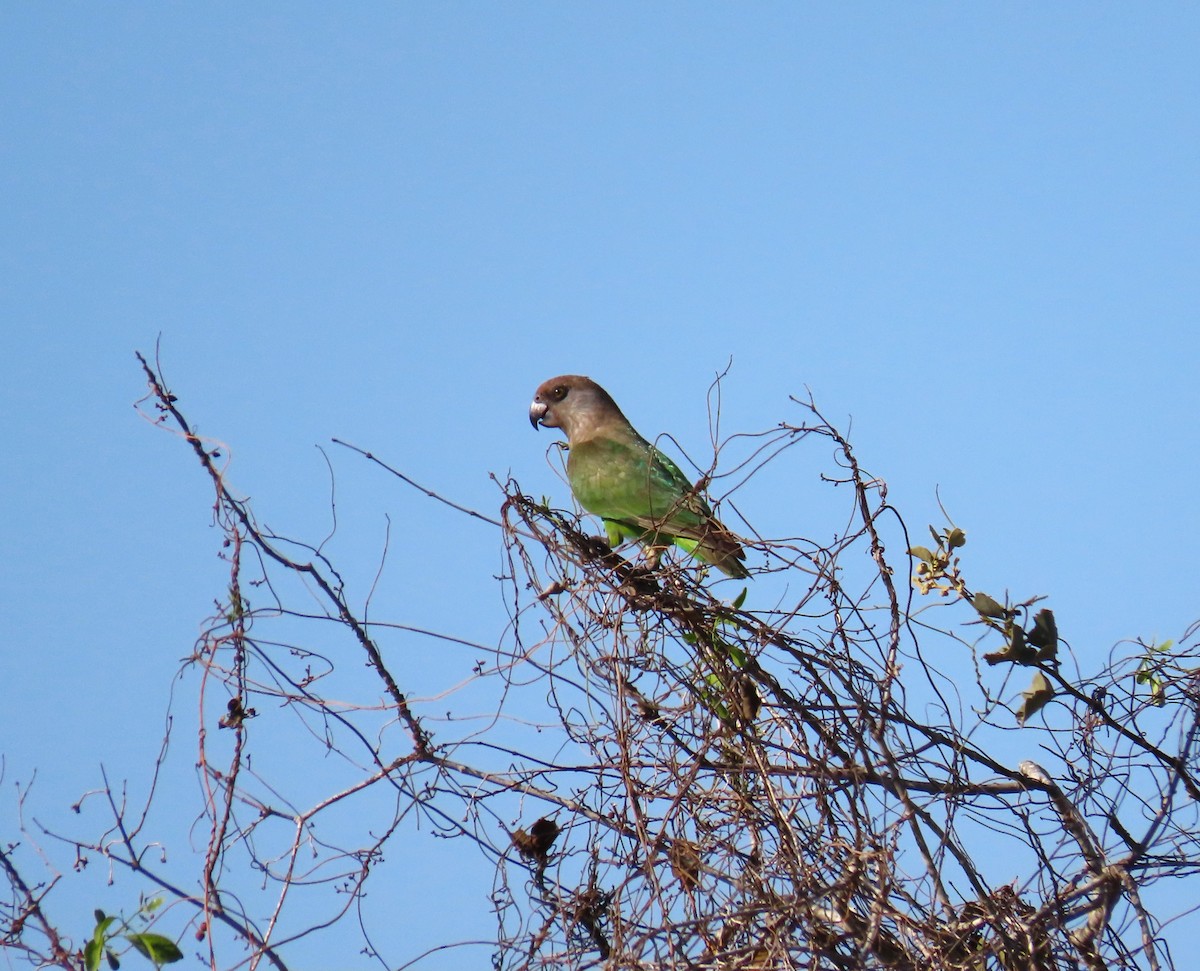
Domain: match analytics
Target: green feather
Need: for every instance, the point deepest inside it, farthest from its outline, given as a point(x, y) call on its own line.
point(641, 494)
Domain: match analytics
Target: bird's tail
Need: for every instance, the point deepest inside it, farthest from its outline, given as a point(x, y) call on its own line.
point(718, 547)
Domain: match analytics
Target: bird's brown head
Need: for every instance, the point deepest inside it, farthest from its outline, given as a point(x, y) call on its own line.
point(576, 404)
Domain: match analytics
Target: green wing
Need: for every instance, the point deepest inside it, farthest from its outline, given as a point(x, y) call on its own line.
point(636, 487)
point(641, 494)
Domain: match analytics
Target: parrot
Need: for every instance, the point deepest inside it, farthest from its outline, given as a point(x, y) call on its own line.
point(636, 490)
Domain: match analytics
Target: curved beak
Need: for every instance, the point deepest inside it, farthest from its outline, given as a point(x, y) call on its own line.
point(537, 411)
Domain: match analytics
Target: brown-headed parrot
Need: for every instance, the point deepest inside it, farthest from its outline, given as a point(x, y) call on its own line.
point(634, 488)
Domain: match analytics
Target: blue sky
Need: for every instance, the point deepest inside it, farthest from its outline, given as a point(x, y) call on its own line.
point(973, 231)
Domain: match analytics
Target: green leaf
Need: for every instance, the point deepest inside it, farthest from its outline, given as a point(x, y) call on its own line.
point(711, 691)
point(161, 950)
point(921, 553)
point(1158, 693)
point(91, 954)
point(736, 654)
point(956, 538)
point(99, 915)
point(1036, 697)
point(937, 537)
point(988, 607)
point(102, 925)
point(740, 599)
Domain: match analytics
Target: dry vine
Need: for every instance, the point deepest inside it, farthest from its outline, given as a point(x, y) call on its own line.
point(694, 781)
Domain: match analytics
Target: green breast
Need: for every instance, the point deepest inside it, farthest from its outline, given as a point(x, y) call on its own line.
point(627, 481)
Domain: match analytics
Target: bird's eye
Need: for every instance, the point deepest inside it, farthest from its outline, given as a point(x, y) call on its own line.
point(559, 392)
